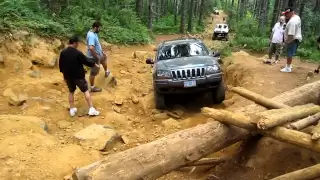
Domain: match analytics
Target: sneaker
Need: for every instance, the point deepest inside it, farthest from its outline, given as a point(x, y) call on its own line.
point(107, 73)
point(267, 61)
point(93, 112)
point(95, 89)
point(286, 69)
point(73, 111)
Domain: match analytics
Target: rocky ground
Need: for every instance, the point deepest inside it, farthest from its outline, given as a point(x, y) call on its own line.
point(38, 139)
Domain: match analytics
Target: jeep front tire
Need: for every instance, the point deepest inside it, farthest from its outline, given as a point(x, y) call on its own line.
point(159, 100)
point(218, 93)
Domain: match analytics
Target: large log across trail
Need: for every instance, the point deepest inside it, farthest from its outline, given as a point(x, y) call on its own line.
point(294, 137)
point(257, 98)
point(312, 172)
point(152, 160)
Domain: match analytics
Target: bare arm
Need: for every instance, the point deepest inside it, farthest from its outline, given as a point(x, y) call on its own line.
point(93, 52)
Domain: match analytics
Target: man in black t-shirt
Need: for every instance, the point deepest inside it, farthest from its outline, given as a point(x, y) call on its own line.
point(71, 63)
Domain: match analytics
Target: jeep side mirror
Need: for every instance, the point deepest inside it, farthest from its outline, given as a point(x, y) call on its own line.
point(216, 54)
point(149, 61)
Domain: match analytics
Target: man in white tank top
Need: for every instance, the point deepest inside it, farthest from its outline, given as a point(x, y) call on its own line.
point(293, 36)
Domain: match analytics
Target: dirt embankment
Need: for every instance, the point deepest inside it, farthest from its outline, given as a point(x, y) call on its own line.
point(38, 139)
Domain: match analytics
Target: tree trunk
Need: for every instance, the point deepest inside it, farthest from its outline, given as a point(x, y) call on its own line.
point(306, 122)
point(208, 162)
point(275, 14)
point(139, 8)
point(165, 7)
point(202, 7)
point(175, 12)
point(150, 16)
point(190, 26)
point(263, 17)
point(257, 98)
point(152, 160)
point(241, 8)
point(183, 16)
point(312, 172)
point(292, 3)
point(284, 4)
point(280, 119)
point(280, 133)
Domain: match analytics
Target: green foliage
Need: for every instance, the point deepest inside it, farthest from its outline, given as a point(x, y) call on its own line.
point(120, 25)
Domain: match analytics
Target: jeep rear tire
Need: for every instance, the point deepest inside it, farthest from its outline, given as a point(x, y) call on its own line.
point(159, 100)
point(218, 94)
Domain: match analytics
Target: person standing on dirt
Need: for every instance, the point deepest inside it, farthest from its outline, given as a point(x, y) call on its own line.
point(71, 63)
point(318, 69)
point(293, 36)
point(276, 40)
point(96, 54)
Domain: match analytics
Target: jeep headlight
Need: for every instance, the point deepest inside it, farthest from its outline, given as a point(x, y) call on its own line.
point(163, 74)
point(213, 69)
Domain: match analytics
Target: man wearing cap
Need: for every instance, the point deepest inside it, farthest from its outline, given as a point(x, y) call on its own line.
point(293, 36)
point(276, 40)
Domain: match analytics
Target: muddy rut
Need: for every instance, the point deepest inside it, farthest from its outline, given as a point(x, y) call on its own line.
point(37, 138)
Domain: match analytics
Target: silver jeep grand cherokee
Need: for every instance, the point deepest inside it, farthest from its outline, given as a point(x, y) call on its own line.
point(186, 66)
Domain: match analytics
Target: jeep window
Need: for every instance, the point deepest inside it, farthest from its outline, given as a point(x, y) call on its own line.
point(182, 50)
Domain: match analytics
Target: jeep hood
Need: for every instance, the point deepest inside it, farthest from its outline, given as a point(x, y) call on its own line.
point(193, 61)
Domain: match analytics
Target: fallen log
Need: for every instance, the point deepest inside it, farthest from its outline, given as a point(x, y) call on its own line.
point(302, 174)
point(290, 115)
point(303, 123)
point(151, 161)
point(280, 133)
point(257, 98)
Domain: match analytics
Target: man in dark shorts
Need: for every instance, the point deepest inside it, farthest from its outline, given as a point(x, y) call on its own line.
point(71, 63)
point(95, 53)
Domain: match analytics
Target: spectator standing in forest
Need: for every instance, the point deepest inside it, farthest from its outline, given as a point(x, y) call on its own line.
point(276, 40)
point(318, 41)
point(293, 36)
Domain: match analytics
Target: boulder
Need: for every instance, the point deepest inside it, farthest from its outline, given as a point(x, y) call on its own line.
point(160, 116)
point(118, 100)
point(14, 99)
point(171, 124)
point(134, 99)
point(98, 137)
point(142, 55)
point(31, 119)
point(34, 73)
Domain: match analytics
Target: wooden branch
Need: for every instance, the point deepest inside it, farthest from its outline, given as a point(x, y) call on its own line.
point(208, 162)
point(316, 132)
point(257, 98)
point(312, 172)
point(267, 122)
point(280, 133)
point(303, 123)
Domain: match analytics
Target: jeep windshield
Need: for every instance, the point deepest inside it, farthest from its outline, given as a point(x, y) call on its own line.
point(182, 50)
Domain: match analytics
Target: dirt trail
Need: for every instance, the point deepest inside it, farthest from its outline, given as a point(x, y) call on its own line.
point(29, 152)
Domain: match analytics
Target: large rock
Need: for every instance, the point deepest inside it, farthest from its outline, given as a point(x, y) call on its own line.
point(142, 55)
point(31, 119)
point(98, 137)
point(171, 124)
point(43, 54)
point(14, 99)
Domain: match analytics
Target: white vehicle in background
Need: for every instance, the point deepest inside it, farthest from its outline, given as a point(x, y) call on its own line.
point(221, 31)
point(216, 12)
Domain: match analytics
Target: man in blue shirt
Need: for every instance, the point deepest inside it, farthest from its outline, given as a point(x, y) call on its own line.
point(96, 55)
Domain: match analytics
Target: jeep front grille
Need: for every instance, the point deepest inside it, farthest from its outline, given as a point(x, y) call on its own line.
point(188, 73)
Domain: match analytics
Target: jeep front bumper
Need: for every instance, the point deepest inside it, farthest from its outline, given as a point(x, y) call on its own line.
point(169, 86)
